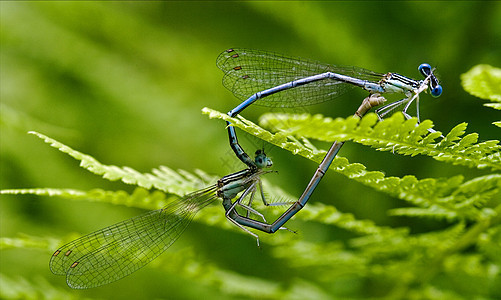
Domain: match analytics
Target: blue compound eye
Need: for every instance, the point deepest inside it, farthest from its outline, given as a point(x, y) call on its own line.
point(262, 161)
point(425, 69)
point(436, 91)
point(435, 88)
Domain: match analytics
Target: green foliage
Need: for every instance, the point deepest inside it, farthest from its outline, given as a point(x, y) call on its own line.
point(412, 262)
point(484, 81)
point(21, 288)
point(476, 202)
point(163, 178)
point(403, 138)
point(394, 134)
point(124, 82)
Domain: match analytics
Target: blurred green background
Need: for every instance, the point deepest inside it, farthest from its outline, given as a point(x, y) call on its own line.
point(126, 81)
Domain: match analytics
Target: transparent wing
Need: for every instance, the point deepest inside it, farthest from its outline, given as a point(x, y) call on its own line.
point(116, 251)
point(250, 71)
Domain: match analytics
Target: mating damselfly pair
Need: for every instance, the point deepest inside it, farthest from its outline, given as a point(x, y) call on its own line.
point(254, 76)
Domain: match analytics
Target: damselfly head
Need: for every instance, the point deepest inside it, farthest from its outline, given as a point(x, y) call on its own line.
point(261, 160)
point(435, 87)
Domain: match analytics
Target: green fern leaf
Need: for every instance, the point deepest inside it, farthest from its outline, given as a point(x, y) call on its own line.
point(163, 178)
point(393, 134)
point(447, 199)
point(140, 198)
point(450, 199)
point(484, 81)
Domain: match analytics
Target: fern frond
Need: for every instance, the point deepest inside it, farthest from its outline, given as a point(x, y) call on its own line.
point(394, 134)
point(464, 201)
point(439, 198)
point(140, 198)
point(484, 81)
point(417, 258)
point(211, 215)
point(377, 247)
point(163, 178)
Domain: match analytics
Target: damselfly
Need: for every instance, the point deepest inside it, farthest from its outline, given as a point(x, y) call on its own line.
point(114, 252)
